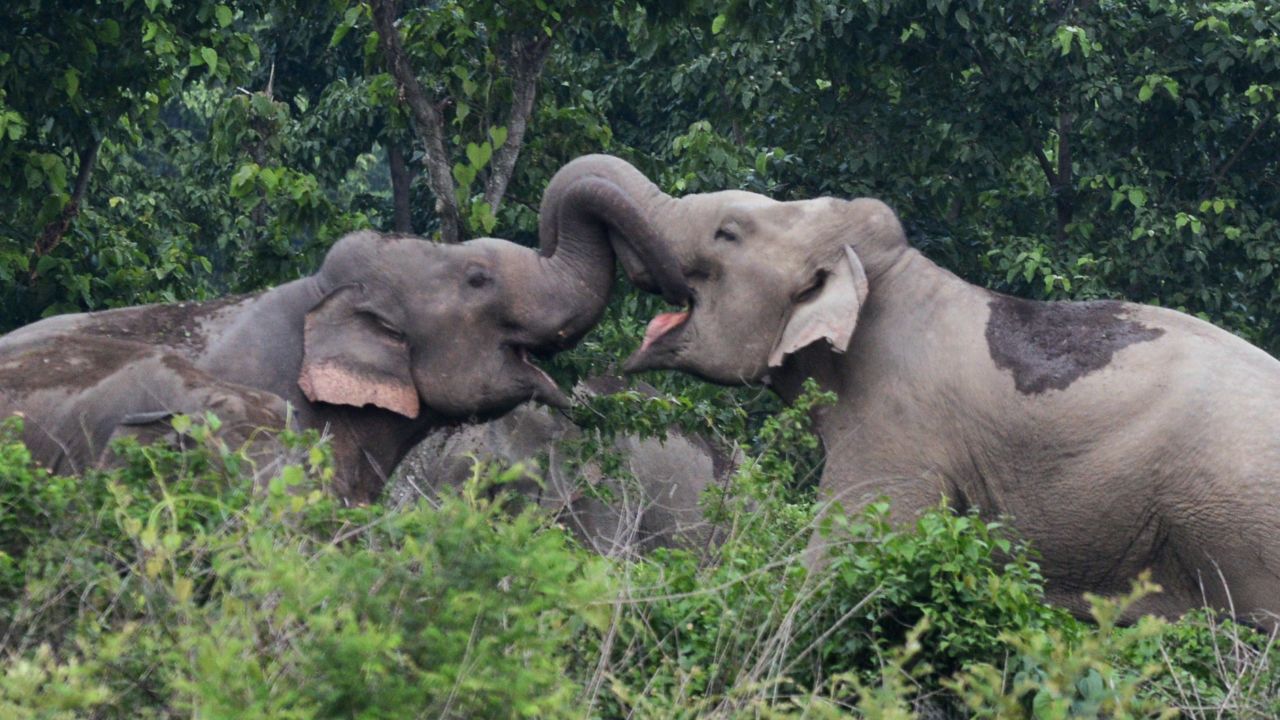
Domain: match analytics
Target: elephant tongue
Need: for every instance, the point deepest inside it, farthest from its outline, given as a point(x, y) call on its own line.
point(661, 325)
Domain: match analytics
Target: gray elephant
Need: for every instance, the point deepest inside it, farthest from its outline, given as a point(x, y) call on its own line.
point(1118, 437)
point(392, 337)
point(655, 503)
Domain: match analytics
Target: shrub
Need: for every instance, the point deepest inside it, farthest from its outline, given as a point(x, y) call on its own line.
point(171, 586)
point(180, 585)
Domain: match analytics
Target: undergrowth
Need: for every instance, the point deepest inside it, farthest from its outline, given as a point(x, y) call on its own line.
point(181, 585)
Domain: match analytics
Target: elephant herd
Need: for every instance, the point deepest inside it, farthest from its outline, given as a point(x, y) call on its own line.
point(1114, 437)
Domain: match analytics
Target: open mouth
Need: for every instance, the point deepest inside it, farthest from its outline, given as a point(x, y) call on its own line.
point(544, 388)
point(661, 341)
point(522, 354)
point(662, 325)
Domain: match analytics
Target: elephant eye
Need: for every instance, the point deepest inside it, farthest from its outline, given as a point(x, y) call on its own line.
point(726, 235)
point(385, 324)
point(815, 287)
point(478, 277)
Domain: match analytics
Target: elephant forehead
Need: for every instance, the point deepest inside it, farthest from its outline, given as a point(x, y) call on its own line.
point(757, 212)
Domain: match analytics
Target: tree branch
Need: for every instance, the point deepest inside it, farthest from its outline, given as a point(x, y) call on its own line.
point(1063, 191)
point(53, 233)
point(1046, 166)
point(1231, 161)
point(428, 120)
point(527, 58)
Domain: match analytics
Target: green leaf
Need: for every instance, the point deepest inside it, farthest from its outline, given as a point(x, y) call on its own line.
point(210, 57)
point(498, 135)
point(72, 79)
point(1137, 197)
point(224, 15)
point(109, 31)
point(339, 33)
point(478, 155)
point(242, 179)
point(1145, 93)
point(717, 24)
point(463, 174)
point(181, 424)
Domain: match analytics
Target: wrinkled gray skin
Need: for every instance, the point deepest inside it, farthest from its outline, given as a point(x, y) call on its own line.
point(657, 506)
point(392, 337)
point(1117, 437)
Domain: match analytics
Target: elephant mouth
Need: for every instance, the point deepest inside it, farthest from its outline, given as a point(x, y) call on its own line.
point(544, 388)
point(660, 337)
point(662, 325)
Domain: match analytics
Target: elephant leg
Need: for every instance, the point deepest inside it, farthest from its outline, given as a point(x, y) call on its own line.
point(908, 498)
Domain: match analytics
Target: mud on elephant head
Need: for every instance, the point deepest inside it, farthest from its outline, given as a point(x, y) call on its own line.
point(392, 336)
point(1118, 437)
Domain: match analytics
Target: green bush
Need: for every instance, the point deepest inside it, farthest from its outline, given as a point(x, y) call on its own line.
point(181, 585)
point(173, 587)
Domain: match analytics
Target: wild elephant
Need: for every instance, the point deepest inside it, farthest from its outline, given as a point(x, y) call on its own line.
point(393, 336)
point(1117, 437)
point(655, 501)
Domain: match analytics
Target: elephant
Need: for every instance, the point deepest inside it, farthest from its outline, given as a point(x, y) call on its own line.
point(656, 506)
point(393, 336)
point(1116, 437)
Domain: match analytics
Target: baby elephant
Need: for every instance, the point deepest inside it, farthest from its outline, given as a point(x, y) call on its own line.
point(653, 503)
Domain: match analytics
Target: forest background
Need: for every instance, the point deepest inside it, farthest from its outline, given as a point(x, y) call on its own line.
point(158, 150)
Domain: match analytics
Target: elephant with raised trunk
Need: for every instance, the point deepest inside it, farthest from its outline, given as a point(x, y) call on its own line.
point(1117, 437)
point(392, 337)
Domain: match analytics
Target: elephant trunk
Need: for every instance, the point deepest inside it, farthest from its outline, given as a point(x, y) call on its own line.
point(594, 207)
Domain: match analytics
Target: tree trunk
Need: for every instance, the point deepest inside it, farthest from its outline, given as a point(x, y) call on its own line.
point(53, 233)
point(428, 120)
point(1064, 192)
point(527, 58)
point(400, 181)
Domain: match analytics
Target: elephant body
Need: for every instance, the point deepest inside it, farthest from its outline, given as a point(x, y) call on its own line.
point(1115, 437)
point(393, 336)
point(654, 504)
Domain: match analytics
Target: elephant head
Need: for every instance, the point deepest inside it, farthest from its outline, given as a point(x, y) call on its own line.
point(765, 278)
point(404, 324)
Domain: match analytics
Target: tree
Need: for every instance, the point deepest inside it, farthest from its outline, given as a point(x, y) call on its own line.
point(1053, 149)
point(496, 58)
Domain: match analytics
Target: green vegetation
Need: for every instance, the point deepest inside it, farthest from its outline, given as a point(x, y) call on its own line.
point(155, 150)
point(171, 588)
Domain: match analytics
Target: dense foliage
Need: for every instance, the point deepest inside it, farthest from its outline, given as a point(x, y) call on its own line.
point(157, 150)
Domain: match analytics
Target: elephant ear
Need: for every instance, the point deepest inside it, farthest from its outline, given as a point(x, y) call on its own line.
point(350, 356)
point(832, 315)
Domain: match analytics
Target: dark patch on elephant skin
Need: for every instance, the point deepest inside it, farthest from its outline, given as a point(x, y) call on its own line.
point(64, 362)
point(1049, 345)
point(176, 325)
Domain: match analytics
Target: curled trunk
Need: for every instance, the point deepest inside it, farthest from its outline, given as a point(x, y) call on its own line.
point(594, 207)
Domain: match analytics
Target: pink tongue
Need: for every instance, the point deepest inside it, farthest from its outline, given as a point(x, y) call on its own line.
point(661, 325)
